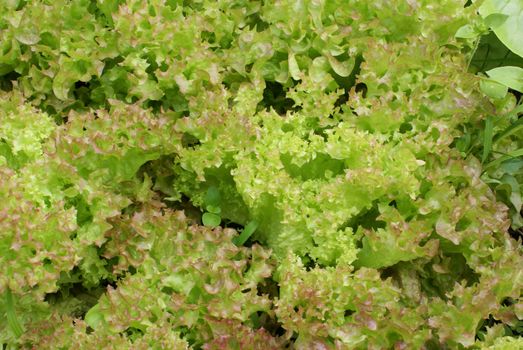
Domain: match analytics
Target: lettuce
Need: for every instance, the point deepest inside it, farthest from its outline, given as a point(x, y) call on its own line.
point(254, 175)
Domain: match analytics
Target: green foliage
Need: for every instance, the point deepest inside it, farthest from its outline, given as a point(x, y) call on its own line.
point(260, 175)
point(505, 17)
point(501, 140)
point(512, 77)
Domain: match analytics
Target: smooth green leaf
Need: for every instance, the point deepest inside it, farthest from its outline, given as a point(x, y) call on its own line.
point(507, 29)
point(213, 209)
point(247, 232)
point(494, 20)
point(466, 32)
point(509, 76)
point(493, 89)
point(212, 197)
point(12, 319)
point(487, 138)
point(94, 317)
point(211, 220)
point(512, 167)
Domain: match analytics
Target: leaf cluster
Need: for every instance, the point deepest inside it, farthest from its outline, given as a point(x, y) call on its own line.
point(257, 175)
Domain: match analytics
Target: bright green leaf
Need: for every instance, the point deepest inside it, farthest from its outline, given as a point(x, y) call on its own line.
point(510, 30)
point(247, 232)
point(294, 69)
point(343, 68)
point(493, 89)
point(509, 76)
point(213, 209)
point(494, 20)
point(94, 317)
point(466, 32)
point(211, 220)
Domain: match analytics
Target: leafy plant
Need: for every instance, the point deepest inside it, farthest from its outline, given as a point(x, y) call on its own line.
point(503, 171)
point(260, 175)
point(506, 20)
